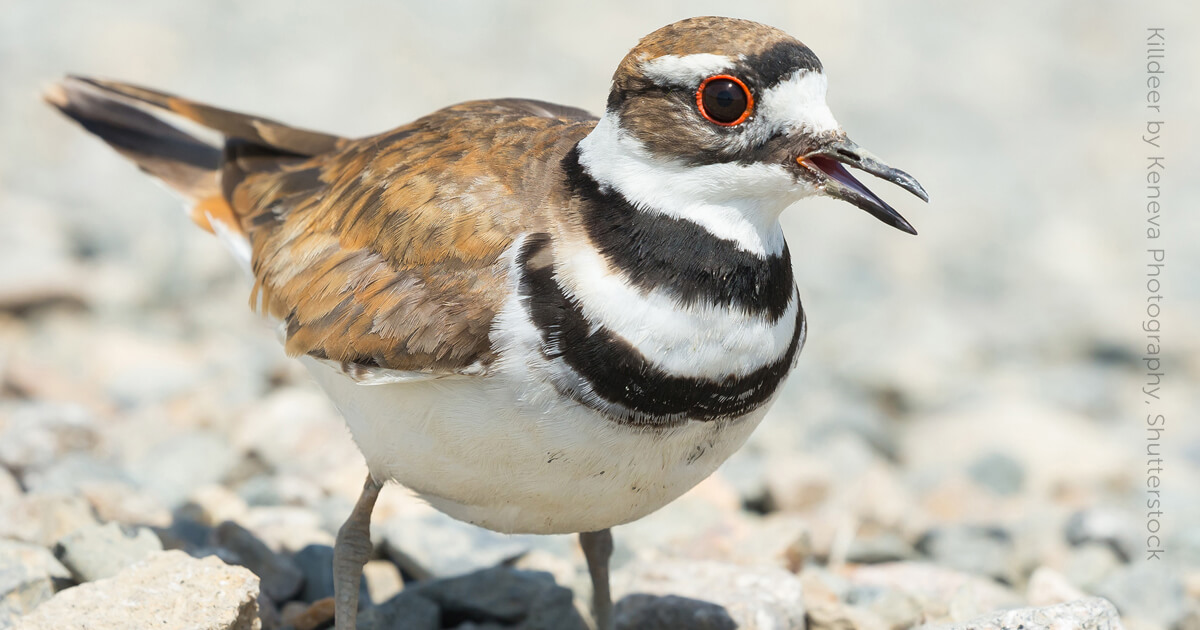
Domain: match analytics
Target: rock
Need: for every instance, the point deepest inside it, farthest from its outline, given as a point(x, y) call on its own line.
point(185, 535)
point(176, 467)
point(10, 489)
point(1048, 587)
point(29, 575)
point(72, 472)
point(943, 594)
point(382, 580)
point(884, 546)
point(1105, 526)
point(640, 611)
point(979, 550)
point(554, 609)
point(1146, 591)
point(168, 590)
point(998, 472)
point(499, 594)
point(407, 610)
point(895, 609)
point(99, 551)
point(39, 433)
point(315, 562)
point(122, 502)
point(755, 598)
point(825, 608)
point(287, 527)
point(212, 505)
point(1085, 614)
point(314, 616)
point(281, 579)
point(1087, 565)
point(433, 545)
point(44, 518)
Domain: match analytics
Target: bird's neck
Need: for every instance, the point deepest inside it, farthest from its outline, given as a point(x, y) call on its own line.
point(739, 203)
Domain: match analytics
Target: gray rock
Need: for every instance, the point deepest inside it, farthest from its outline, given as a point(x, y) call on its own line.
point(499, 594)
point(882, 547)
point(174, 468)
point(38, 433)
point(406, 611)
point(895, 609)
point(944, 594)
point(640, 611)
point(553, 609)
point(985, 551)
point(99, 551)
point(1146, 590)
point(1106, 526)
point(1090, 563)
point(756, 598)
point(168, 590)
point(433, 545)
point(44, 518)
point(71, 472)
point(186, 535)
point(1086, 614)
point(281, 578)
point(29, 575)
point(316, 564)
point(998, 472)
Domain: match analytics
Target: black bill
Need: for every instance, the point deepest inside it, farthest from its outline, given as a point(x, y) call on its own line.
point(837, 182)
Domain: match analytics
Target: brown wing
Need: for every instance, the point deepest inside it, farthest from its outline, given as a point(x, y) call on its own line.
point(386, 252)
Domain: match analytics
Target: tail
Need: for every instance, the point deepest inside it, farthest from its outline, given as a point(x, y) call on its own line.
point(200, 151)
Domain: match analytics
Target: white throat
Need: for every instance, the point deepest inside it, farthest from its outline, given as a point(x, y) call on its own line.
point(737, 202)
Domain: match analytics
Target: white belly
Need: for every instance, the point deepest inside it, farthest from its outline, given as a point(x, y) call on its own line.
point(488, 451)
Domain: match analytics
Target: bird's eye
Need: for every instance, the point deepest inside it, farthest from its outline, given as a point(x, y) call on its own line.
point(724, 100)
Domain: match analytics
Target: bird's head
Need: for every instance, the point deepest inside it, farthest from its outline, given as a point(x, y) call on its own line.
point(738, 108)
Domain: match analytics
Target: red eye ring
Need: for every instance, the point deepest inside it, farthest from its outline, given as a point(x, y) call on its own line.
point(746, 90)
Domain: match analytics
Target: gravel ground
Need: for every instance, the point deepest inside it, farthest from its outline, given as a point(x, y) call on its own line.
point(964, 434)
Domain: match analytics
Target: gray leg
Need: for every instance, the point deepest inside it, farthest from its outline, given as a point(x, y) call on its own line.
point(350, 553)
point(597, 548)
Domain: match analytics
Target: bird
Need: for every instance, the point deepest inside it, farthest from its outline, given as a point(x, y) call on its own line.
point(538, 320)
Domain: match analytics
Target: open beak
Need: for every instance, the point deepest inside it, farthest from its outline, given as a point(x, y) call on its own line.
point(837, 182)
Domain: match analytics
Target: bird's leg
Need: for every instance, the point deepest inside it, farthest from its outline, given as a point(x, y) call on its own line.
point(597, 548)
point(350, 552)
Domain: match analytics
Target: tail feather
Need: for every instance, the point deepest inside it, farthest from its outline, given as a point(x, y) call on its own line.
point(195, 149)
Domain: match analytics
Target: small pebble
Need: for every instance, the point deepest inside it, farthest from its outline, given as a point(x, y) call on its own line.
point(281, 579)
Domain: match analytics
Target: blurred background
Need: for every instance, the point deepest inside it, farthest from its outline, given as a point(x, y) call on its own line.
point(968, 400)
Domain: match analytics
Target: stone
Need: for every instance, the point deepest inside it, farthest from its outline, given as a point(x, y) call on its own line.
point(499, 594)
point(1106, 526)
point(1088, 565)
point(640, 611)
point(984, 551)
point(167, 590)
point(407, 610)
point(382, 580)
point(44, 518)
point(316, 564)
point(316, 615)
point(755, 598)
point(212, 505)
point(943, 594)
point(1146, 591)
point(181, 464)
point(281, 578)
point(29, 575)
point(122, 502)
point(1048, 587)
point(553, 609)
point(186, 535)
point(37, 434)
point(433, 545)
point(1093, 613)
point(886, 546)
point(99, 551)
point(998, 472)
point(897, 610)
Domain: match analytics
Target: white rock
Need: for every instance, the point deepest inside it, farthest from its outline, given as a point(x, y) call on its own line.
point(1094, 613)
point(170, 590)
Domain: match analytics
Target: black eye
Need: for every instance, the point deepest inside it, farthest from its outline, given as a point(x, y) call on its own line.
point(724, 100)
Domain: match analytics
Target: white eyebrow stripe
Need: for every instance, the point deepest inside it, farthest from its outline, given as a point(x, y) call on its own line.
point(685, 70)
point(798, 105)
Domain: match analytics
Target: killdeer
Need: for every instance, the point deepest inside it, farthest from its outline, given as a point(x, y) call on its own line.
point(539, 321)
